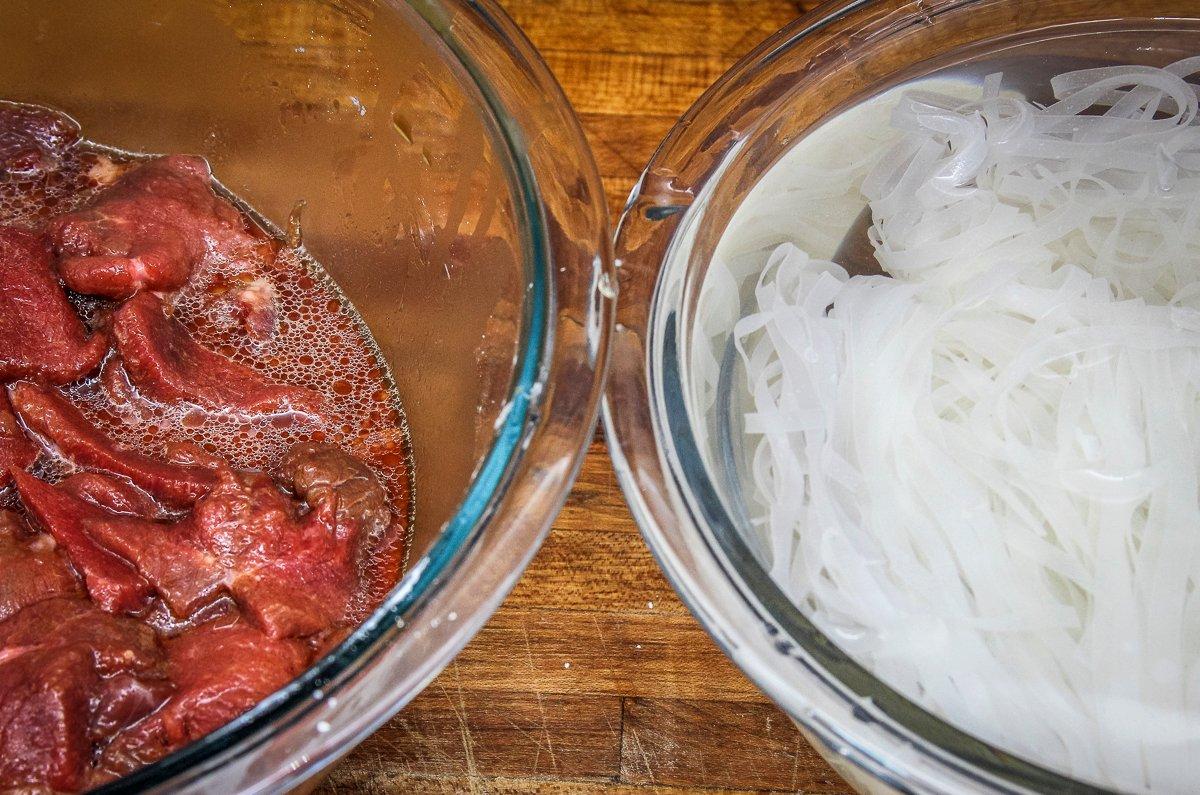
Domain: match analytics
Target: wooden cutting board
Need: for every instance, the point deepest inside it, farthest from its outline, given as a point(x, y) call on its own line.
point(593, 676)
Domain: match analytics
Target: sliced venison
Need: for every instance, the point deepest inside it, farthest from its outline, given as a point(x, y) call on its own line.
point(32, 569)
point(70, 676)
point(220, 669)
point(43, 337)
point(16, 450)
point(166, 364)
point(149, 230)
point(184, 575)
point(111, 494)
point(45, 699)
point(33, 139)
point(293, 572)
point(324, 474)
point(111, 581)
point(115, 644)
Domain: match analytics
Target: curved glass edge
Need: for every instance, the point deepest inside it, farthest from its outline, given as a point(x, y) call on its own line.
point(529, 401)
point(695, 541)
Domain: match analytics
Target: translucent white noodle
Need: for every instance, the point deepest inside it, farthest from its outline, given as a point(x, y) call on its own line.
point(981, 475)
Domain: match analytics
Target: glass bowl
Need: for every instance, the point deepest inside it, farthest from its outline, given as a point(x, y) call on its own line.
point(434, 167)
point(682, 487)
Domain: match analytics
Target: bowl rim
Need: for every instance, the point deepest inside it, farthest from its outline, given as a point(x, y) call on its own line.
point(686, 524)
point(536, 396)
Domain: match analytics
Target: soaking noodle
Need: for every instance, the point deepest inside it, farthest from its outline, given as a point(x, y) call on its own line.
point(979, 474)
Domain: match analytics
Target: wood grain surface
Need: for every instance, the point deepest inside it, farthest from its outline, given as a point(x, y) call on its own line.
point(592, 676)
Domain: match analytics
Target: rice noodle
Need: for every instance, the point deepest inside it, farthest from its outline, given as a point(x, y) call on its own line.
point(981, 477)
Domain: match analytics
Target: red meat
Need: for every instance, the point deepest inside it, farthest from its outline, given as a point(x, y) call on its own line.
point(115, 644)
point(325, 475)
point(123, 700)
point(71, 675)
point(220, 670)
point(49, 414)
point(16, 451)
point(184, 575)
point(111, 582)
point(43, 337)
point(166, 364)
point(33, 139)
point(121, 557)
point(148, 231)
point(111, 494)
point(294, 574)
point(44, 704)
point(31, 569)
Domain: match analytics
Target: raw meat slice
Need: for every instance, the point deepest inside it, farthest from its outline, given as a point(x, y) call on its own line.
point(294, 574)
point(123, 700)
point(326, 475)
point(148, 230)
point(220, 670)
point(282, 607)
point(31, 569)
point(115, 644)
point(50, 415)
point(71, 675)
point(242, 516)
point(185, 576)
point(152, 553)
point(44, 705)
point(112, 583)
point(33, 139)
point(166, 364)
point(143, 743)
point(323, 474)
point(43, 337)
point(16, 451)
point(111, 494)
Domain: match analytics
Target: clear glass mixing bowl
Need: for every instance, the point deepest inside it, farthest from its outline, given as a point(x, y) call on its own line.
point(677, 479)
point(437, 172)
